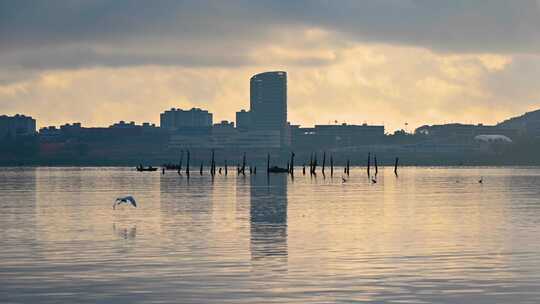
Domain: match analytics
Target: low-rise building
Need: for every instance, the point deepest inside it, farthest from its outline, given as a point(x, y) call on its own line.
point(177, 119)
point(243, 120)
point(330, 136)
point(115, 132)
point(16, 126)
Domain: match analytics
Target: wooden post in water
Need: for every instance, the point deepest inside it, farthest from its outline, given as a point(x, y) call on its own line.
point(181, 160)
point(348, 167)
point(244, 164)
point(304, 169)
point(200, 171)
point(331, 165)
point(315, 164)
point(323, 162)
point(213, 165)
point(396, 165)
point(179, 171)
point(226, 169)
point(376, 165)
point(255, 170)
point(311, 164)
point(368, 163)
point(291, 170)
point(187, 164)
point(268, 164)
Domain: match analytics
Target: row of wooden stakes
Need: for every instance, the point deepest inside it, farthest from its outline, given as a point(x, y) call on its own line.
point(313, 163)
point(241, 169)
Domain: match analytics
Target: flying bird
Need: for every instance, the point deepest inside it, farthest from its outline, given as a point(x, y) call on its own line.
point(126, 200)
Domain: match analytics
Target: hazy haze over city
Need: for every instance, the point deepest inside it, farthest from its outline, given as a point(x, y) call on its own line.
point(390, 61)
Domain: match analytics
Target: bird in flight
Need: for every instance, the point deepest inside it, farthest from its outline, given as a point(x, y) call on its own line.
point(126, 199)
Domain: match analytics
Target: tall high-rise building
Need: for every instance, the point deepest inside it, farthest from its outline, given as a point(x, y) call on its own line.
point(268, 102)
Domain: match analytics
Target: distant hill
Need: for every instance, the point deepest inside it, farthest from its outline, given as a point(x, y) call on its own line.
point(528, 123)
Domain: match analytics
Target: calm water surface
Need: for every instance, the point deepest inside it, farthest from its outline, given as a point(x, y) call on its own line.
point(433, 235)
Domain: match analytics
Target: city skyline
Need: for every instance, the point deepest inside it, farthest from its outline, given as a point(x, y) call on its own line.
point(247, 114)
point(417, 62)
point(229, 115)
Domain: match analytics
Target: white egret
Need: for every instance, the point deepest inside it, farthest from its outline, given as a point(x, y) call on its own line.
point(125, 199)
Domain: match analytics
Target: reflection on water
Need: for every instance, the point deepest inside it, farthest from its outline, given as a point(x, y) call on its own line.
point(125, 233)
point(268, 217)
point(433, 235)
point(18, 213)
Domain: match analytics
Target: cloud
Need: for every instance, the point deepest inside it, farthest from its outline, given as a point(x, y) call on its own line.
point(391, 85)
point(76, 33)
point(496, 26)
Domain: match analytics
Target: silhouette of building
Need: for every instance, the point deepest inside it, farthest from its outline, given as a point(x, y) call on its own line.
point(120, 142)
point(333, 136)
point(243, 120)
point(131, 125)
point(17, 126)
point(226, 137)
point(223, 125)
point(223, 134)
point(117, 132)
point(177, 119)
point(268, 104)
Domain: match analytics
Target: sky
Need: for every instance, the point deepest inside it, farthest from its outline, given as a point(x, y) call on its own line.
point(387, 62)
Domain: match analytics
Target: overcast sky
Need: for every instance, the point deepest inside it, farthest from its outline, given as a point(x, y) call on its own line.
point(384, 61)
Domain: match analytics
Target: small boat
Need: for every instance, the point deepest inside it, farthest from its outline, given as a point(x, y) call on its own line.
point(140, 168)
point(276, 169)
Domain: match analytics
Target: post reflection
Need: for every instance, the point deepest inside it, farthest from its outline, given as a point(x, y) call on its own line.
point(268, 218)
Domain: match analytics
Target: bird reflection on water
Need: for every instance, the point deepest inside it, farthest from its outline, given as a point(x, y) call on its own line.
point(126, 233)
